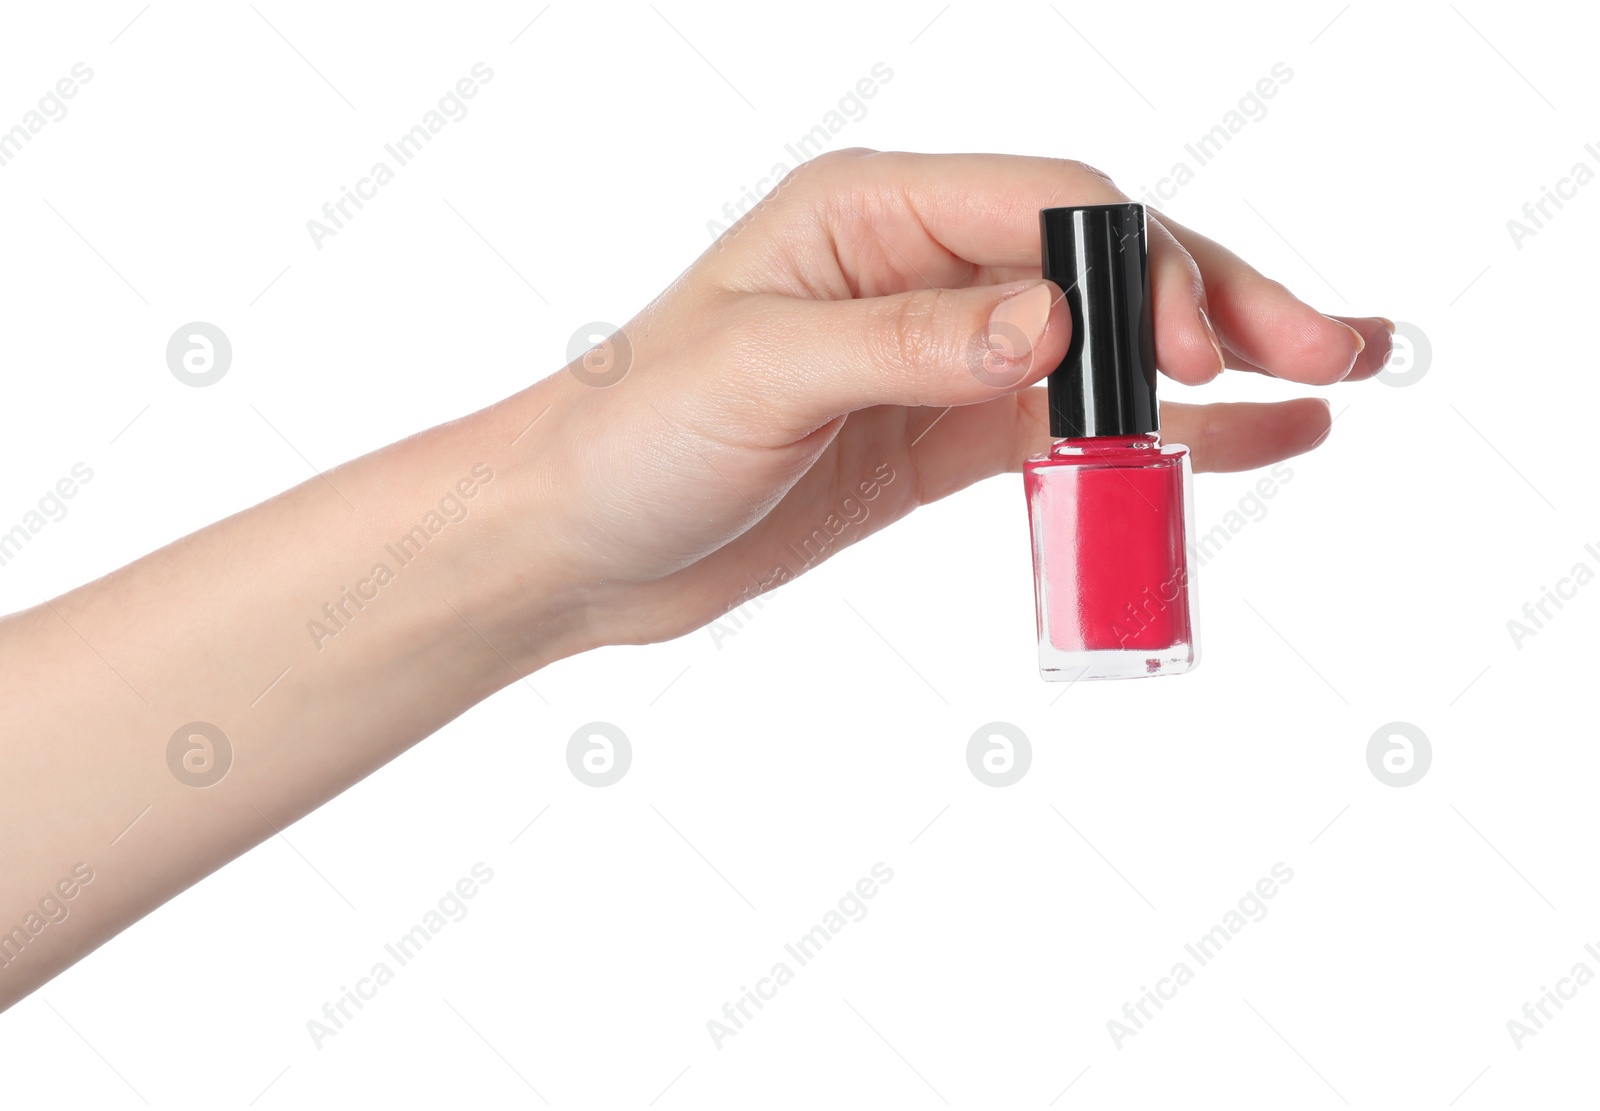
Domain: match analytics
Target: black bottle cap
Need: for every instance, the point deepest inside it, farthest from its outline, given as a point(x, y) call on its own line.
point(1106, 386)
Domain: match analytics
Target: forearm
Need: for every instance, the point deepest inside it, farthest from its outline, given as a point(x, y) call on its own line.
point(777, 388)
point(322, 632)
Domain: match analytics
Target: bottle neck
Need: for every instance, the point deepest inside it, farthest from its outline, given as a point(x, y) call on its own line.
point(1106, 445)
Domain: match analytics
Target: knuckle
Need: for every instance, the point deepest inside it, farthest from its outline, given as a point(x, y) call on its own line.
point(843, 160)
point(1094, 174)
point(1205, 433)
point(811, 188)
point(910, 338)
point(792, 180)
point(827, 170)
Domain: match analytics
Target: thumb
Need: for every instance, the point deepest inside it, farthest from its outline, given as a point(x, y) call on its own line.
point(939, 347)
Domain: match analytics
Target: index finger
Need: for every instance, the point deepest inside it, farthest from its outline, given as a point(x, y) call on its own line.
point(887, 223)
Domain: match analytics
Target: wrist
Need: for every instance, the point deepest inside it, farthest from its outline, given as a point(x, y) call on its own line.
point(510, 574)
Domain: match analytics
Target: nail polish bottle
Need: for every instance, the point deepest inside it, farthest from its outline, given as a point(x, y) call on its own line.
point(1110, 505)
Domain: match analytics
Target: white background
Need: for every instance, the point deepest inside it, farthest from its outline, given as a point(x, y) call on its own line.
point(832, 729)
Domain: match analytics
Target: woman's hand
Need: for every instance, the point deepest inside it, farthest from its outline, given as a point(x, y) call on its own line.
point(822, 371)
point(860, 344)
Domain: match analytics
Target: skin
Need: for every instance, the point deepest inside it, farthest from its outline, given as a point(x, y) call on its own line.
point(843, 325)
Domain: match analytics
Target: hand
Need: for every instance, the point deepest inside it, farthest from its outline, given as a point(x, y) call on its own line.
point(830, 359)
point(821, 372)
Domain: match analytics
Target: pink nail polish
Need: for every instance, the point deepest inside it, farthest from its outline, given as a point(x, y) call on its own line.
point(1110, 505)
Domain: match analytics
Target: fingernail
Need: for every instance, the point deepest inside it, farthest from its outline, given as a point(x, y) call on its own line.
point(1361, 345)
point(1211, 334)
point(1329, 409)
point(1389, 354)
point(1017, 324)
